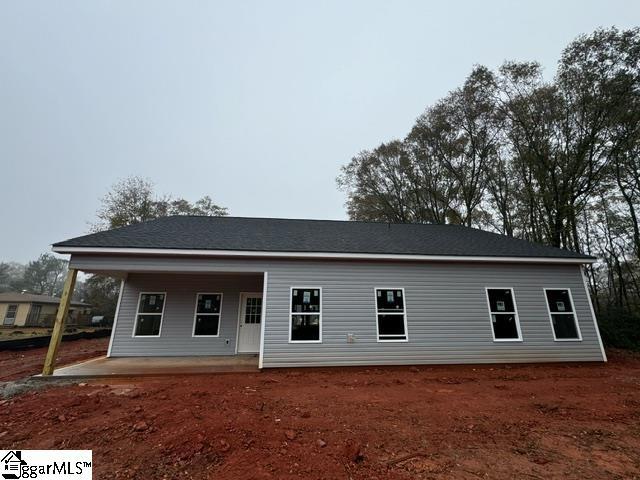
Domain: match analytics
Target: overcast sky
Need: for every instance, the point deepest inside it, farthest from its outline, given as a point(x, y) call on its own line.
point(256, 104)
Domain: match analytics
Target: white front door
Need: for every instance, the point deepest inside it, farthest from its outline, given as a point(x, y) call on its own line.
point(249, 322)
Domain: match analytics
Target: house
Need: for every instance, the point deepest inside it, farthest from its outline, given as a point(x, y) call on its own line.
point(29, 310)
point(12, 464)
point(334, 293)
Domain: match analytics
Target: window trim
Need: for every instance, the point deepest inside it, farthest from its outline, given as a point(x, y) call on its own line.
point(404, 312)
point(575, 316)
point(517, 315)
point(15, 314)
point(135, 323)
point(291, 289)
point(195, 315)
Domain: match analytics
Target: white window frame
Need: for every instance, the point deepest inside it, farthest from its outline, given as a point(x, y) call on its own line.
point(135, 323)
point(573, 312)
point(291, 314)
point(404, 312)
point(15, 313)
point(515, 306)
point(195, 315)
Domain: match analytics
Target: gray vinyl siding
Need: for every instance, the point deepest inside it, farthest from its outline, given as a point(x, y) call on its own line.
point(177, 323)
point(447, 315)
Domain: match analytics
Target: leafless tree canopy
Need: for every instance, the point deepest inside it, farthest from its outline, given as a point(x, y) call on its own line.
point(555, 162)
point(134, 200)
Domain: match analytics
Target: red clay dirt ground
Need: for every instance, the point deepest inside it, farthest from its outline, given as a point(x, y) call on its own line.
point(16, 364)
point(579, 421)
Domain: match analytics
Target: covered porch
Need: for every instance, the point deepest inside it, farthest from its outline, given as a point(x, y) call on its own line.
point(158, 366)
point(175, 322)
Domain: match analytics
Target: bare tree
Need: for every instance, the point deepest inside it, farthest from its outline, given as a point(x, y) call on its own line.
point(133, 200)
point(554, 162)
point(380, 184)
point(44, 276)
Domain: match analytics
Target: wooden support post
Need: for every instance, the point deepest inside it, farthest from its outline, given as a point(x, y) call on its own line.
point(58, 326)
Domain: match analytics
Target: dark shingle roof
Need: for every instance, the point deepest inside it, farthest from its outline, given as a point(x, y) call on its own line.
point(325, 236)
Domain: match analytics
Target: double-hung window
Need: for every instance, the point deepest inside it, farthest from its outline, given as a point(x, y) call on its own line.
point(562, 314)
point(206, 322)
point(305, 314)
point(10, 315)
point(149, 315)
point(391, 316)
point(505, 325)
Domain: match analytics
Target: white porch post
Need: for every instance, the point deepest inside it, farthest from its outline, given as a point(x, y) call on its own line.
point(263, 316)
point(115, 317)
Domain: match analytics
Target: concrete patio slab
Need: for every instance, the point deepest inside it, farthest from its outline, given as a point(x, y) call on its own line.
point(157, 366)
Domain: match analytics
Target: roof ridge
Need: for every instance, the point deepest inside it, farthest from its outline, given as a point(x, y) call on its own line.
point(324, 220)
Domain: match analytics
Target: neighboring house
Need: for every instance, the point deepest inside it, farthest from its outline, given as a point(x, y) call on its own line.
point(320, 293)
point(26, 309)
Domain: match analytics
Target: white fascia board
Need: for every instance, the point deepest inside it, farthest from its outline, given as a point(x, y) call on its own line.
point(320, 255)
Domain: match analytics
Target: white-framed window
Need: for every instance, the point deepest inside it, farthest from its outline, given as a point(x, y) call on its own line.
point(503, 313)
point(253, 309)
point(305, 315)
point(562, 315)
point(391, 317)
point(149, 314)
point(10, 315)
point(206, 320)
